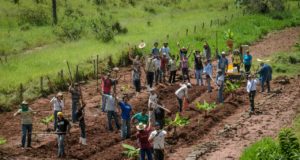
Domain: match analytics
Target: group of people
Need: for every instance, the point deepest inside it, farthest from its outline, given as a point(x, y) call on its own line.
point(150, 121)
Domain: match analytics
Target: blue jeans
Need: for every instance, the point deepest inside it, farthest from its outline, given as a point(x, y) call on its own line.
point(262, 83)
point(112, 115)
point(220, 93)
point(60, 141)
point(55, 119)
point(74, 110)
point(125, 129)
point(208, 83)
point(180, 102)
point(198, 74)
point(26, 131)
point(143, 153)
point(82, 129)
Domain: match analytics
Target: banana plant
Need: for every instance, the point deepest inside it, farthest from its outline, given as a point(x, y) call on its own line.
point(130, 151)
point(178, 122)
point(2, 140)
point(231, 87)
point(47, 120)
point(206, 107)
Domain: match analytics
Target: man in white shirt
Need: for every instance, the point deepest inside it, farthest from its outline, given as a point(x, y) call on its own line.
point(110, 108)
point(208, 74)
point(158, 138)
point(220, 84)
point(58, 105)
point(182, 93)
point(251, 89)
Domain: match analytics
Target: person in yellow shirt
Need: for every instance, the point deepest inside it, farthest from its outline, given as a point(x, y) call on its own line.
point(236, 59)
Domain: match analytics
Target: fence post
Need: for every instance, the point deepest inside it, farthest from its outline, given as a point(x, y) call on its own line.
point(5, 58)
point(203, 25)
point(97, 73)
point(195, 29)
point(186, 32)
point(62, 75)
point(167, 36)
point(21, 92)
point(77, 74)
point(211, 22)
point(231, 16)
point(41, 84)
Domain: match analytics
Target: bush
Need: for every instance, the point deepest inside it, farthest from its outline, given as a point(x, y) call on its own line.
point(71, 25)
point(38, 15)
point(263, 6)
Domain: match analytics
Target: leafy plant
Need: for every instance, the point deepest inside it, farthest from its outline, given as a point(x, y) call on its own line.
point(47, 120)
point(178, 122)
point(228, 35)
point(130, 151)
point(231, 87)
point(2, 140)
point(288, 143)
point(205, 106)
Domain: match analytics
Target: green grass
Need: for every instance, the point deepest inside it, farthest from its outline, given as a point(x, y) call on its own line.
point(296, 126)
point(27, 63)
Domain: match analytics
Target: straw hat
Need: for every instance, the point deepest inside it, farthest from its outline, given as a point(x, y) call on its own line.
point(189, 85)
point(59, 94)
point(223, 53)
point(142, 45)
point(60, 114)
point(141, 126)
point(25, 102)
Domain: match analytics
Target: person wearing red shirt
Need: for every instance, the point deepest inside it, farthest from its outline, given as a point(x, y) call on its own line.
point(106, 85)
point(143, 141)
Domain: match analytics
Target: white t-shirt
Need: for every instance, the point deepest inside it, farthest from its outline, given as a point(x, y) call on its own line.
point(158, 139)
point(58, 105)
point(152, 100)
point(182, 91)
point(251, 85)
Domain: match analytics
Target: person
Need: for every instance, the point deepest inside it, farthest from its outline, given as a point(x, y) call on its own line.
point(126, 112)
point(223, 63)
point(157, 62)
point(208, 74)
point(158, 138)
point(182, 93)
point(220, 84)
point(76, 96)
point(206, 51)
point(143, 141)
point(63, 127)
point(198, 67)
point(184, 64)
point(136, 72)
point(111, 110)
point(26, 114)
point(155, 50)
point(172, 69)
point(141, 117)
point(58, 105)
point(165, 49)
point(163, 68)
point(136, 63)
point(150, 70)
point(247, 62)
point(80, 117)
point(153, 98)
point(251, 89)
point(236, 60)
point(265, 76)
point(159, 113)
point(106, 83)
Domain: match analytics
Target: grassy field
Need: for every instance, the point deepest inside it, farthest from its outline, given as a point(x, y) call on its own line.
point(36, 52)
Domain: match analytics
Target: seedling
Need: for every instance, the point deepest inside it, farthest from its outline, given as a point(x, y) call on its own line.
point(130, 151)
point(179, 122)
point(206, 107)
point(48, 120)
point(231, 87)
point(228, 35)
point(2, 140)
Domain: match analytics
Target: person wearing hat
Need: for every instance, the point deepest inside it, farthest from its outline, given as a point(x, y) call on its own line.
point(80, 117)
point(76, 97)
point(198, 67)
point(58, 105)
point(165, 49)
point(126, 113)
point(182, 93)
point(152, 97)
point(172, 68)
point(158, 111)
point(236, 59)
point(158, 138)
point(150, 70)
point(136, 72)
point(184, 64)
point(143, 141)
point(183, 52)
point(251, 89)
point(63, 127)
point(206, 51)
point(208, 74)
point(141, 117)
point(247, 60)
point(155, 50)
point(223, 63)
point(265, 73)
point(26, 114)
point(220, 83)
point(106, 84)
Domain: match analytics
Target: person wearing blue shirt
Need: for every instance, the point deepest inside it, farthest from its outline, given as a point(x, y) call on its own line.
point(155, 50)
point(247, 59)
point(265, 76)
point(126, 111)
point(223, 63)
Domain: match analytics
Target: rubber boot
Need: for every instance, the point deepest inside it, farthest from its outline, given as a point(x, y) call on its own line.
point(80, 140)
point(84, 141)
